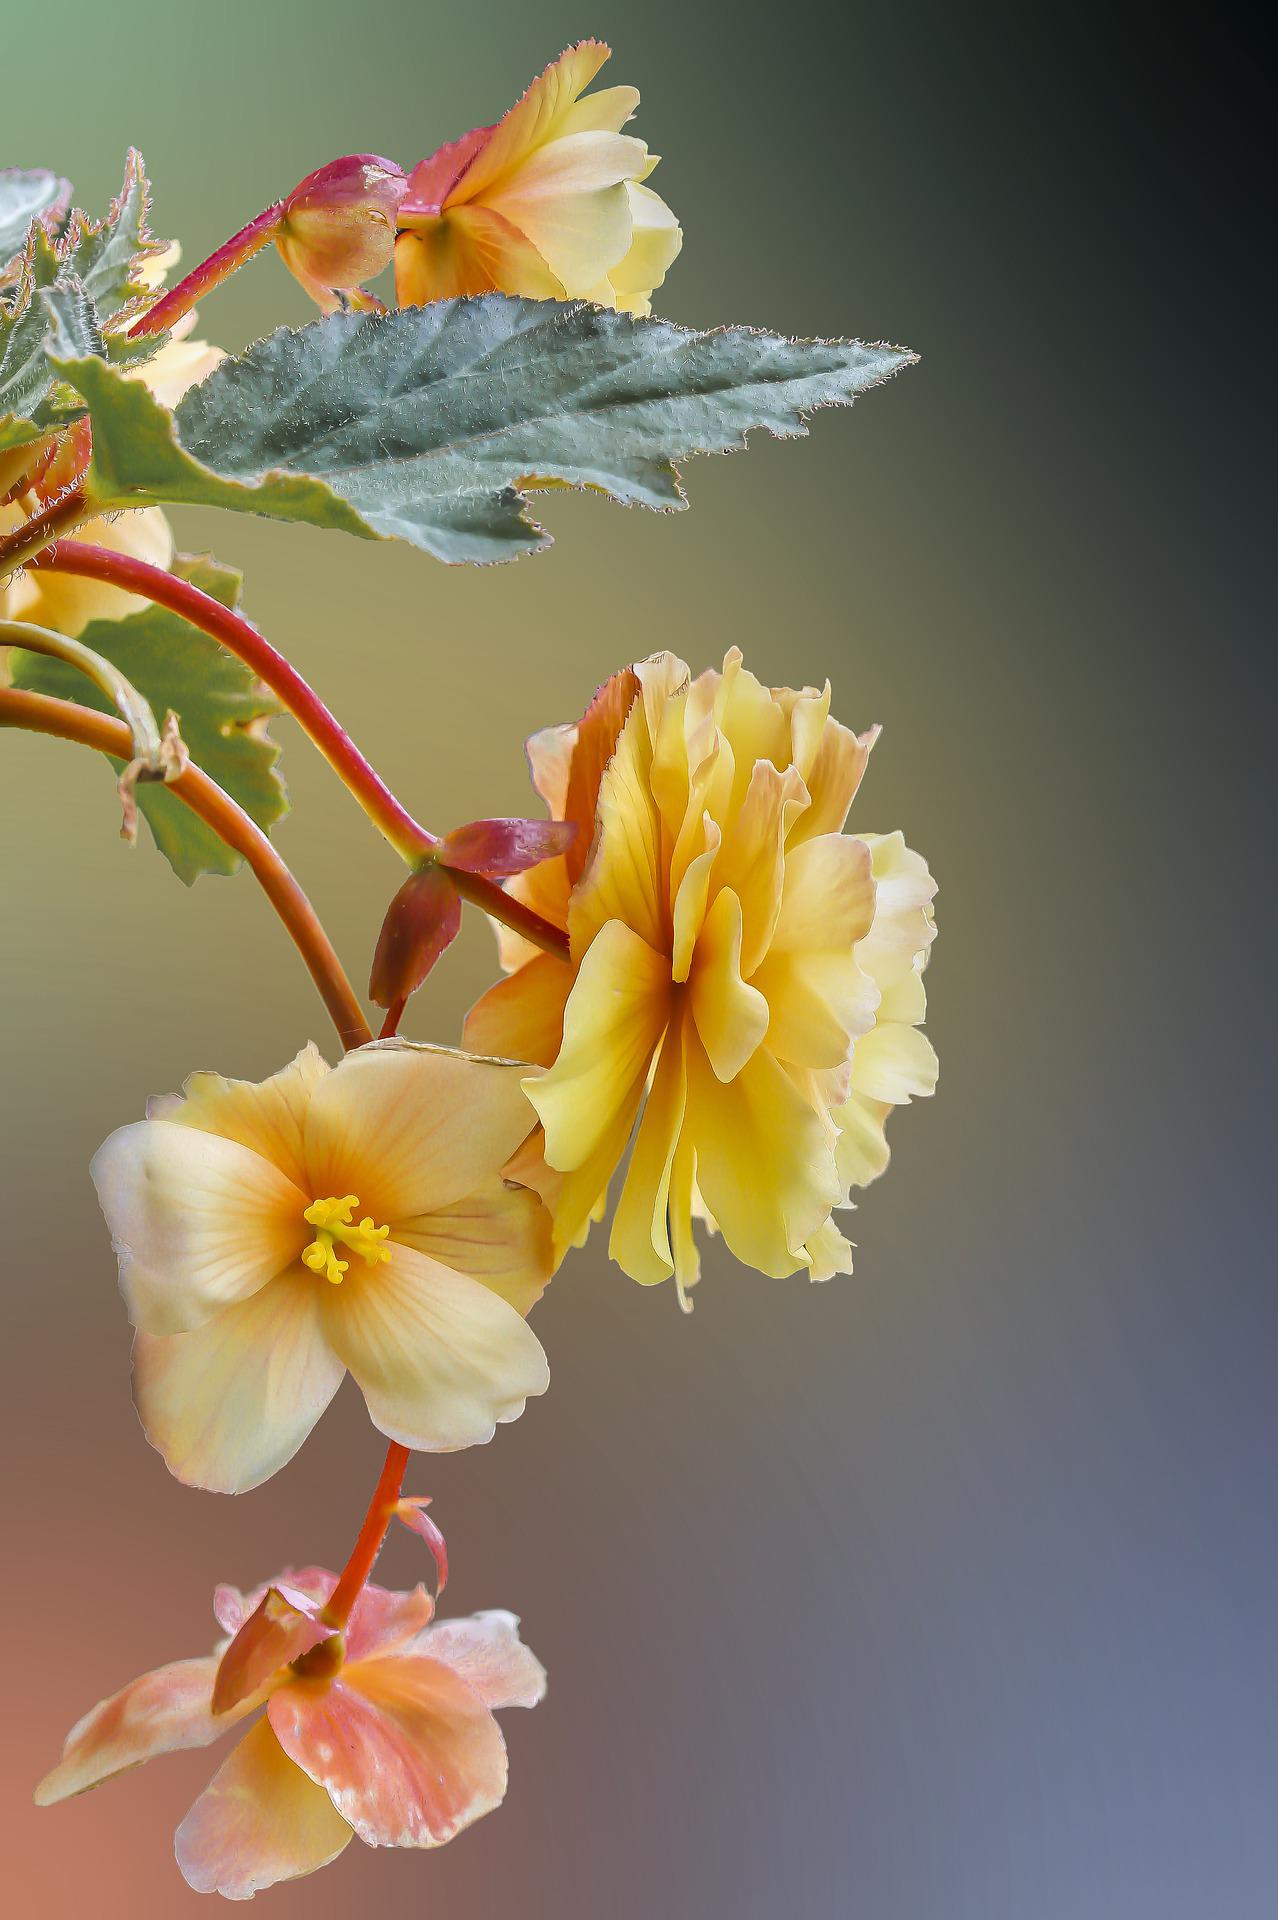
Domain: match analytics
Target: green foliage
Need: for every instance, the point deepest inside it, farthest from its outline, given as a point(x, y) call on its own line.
point(221, 707)
point(108, 255)
point(422, 424)
point(27, 194)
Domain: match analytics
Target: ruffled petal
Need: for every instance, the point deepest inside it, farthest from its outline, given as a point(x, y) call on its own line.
point(615, 1015)
point(570, 200)
point(260, 1820)
point(836, 761)
point(655, 240)
point(440, 1358)
point(406, 1750)
point(411, 1128)
point(465, 251)
point(904, 926)
point(229, 1403)
point(198, 1222)
point(538, 116)
point(819, 997)
point(640, 1242)
point(487, 1652)
point(499, 1234)
point(522, 1018)
point(752, 858)
point(624, 878)
point(731, 1016)
point(162, 1712)
point(895, 1063)
point(765, 1160)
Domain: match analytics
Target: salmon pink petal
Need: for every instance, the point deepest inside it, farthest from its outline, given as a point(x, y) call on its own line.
point(432, 180)
point(284, 1624)
point(490, 1657)
point(382, 1620)
point(260, 1820)
point(406, 1749)
point(161, 1712)
point(412, 1512)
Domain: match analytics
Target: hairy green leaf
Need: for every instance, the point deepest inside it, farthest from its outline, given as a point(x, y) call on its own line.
point(222, 710)
point(422, 424)
point(108, 255)
point(27, 194)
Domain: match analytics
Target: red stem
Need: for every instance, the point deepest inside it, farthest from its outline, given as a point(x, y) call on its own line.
point(381, 1511)
point(37, 713)
point(17, 547)
point(210, 273)
point(409, 838)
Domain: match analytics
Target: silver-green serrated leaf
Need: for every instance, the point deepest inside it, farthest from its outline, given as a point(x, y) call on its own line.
point(108, 255)
point(222, 709)
point(25, 329)
point(27, 194)
point(423, 422)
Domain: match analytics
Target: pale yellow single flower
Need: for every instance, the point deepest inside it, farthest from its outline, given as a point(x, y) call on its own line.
point(724, 937)
point(273, 1237)
point(549, 203)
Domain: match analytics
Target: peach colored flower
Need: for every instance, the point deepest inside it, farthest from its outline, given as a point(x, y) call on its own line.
point(729, 949)
point(549, 203)
point(273, 1236)
point(388, 1735)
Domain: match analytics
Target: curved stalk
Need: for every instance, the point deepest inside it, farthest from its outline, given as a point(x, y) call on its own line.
point(38, 713)
point(123, 695)
point(381, 1511)
point(34, 535)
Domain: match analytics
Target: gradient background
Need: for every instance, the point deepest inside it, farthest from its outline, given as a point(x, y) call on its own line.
point(947, 1592)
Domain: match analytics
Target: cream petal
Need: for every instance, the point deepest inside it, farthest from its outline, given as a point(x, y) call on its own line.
point(656, 238)
point(176, 368)
point(640, 1242)
point(604, 112)
point(412, 1128)
point(903, 925)
point(406, 1750)
point(440, 1358)
point(829, 1252)
point(837, 761)
point(895, 1063)
point(500, 1234)
point(230, 1403)
point(198, 1222)
point(490, 1657)
point(765, 1162)
point(615, 1015)
point(570, 200)
point(268, 1116)
point(260, 1820)
point(67, 603)
point(162, 1712)
point(536, 117)
point(819, 997)
point(861, 1152)
point(731, 1017)
point(522, 1018)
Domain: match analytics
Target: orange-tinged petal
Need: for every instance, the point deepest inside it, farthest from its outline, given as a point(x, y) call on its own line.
point(199, 1222)
point(486, 1651)
point(731, 1016)
point(229, 1403)
point(819, 997)
point(499, 1234)
point(765, 1162)
point(410, 1128)
point(260, 1820)
point(624, 877)
point(440, 1358)
point(616, 1013)
point(640, 1242)
point(162, 1712)
point(522, 1018)
point(268, 1116)
point(381, 1619)
point(466, 251)
point(406, 1750)
point(537, 117)
point(834, 767)
point(752, 858)
point(284, 1624)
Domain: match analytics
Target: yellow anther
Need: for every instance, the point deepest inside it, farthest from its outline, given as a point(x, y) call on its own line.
point(333, 1220)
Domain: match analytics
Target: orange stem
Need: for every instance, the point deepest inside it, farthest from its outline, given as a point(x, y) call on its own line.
point(381, 1511)
point(65, 720)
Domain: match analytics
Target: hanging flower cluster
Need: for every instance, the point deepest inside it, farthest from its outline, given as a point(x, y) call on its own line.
point(713, 976)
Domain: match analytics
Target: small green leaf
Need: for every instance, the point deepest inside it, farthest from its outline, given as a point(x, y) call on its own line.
point(222, 711)
point(421, 424)
point(107, 254)
point(27, 194)
point(25, 330)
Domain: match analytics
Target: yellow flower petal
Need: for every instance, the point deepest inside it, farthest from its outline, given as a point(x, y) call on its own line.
point(570, 200)
point(731, 1017)
point(895, 1063)
point(765, 1163)
point(655, 240)
point(412, 1128)
point(522, 1018)
point(640, 1242)
point(819, 996)
point(615, 1015)
point(604, 112)
point(752, 858)
point(622, 880)
point(229, 1403)
point(538, 116)
point(469, 250)
point(440, 1358)
point(499, 1234)
point(199, 1222)
point(67, 603)
point(260, 1820)
point(267, 1116)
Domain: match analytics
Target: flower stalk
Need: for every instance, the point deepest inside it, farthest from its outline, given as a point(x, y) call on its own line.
point(381, 1511)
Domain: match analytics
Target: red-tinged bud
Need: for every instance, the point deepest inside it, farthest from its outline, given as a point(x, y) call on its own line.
point(286, 1625)
point(411, 1510)
point(337, 228)
point(503, 847)
point(423, 919)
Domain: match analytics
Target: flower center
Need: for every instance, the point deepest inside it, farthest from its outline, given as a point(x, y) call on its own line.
point(333, 1223)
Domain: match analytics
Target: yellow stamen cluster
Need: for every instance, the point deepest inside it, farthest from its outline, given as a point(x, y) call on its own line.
point(333, 1222)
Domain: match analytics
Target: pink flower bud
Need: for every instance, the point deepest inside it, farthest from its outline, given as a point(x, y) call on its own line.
point(337, 228)
point(503, 847)
point(423, 919)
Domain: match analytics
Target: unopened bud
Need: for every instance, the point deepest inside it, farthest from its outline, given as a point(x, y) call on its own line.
point(505, 847)
point(422, 920)
point(337, 228)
